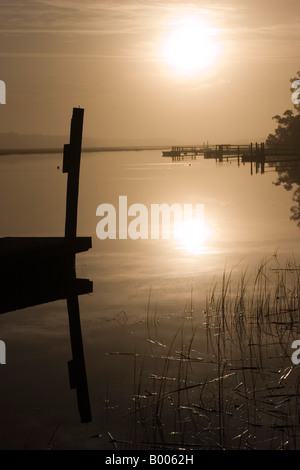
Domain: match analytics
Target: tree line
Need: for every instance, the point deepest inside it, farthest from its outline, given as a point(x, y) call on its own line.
point(287, 133)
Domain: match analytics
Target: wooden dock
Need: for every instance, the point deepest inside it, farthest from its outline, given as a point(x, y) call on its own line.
point(250, 152)
point(208, 151)
point(34, 271)
point(260, 155)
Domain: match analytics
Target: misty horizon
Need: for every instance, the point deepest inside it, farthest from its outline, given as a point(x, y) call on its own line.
point(14, 140)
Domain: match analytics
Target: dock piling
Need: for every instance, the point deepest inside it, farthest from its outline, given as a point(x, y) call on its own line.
point(71, 165)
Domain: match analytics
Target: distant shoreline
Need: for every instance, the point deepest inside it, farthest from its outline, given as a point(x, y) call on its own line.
point(84, 150)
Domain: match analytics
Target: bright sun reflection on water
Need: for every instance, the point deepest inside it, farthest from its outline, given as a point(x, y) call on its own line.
point(193, 236)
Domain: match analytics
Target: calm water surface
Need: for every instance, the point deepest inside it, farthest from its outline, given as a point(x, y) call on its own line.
point(142, 289)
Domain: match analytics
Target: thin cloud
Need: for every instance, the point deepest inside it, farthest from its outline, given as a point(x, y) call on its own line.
point(250, 27)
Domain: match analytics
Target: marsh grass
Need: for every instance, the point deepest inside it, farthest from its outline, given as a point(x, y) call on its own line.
point(224, 378)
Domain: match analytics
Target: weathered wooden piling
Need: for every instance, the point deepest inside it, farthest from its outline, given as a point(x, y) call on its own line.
point(71, 165)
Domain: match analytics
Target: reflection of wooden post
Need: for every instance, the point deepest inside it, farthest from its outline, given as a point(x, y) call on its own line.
point(77, 370)
point(71, 165)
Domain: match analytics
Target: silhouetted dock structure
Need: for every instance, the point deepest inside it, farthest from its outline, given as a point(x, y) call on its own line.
point(246, 152)
point(45, 259)
point(258, 154)
point(37, 270)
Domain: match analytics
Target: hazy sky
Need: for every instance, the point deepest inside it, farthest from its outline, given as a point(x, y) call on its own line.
point(108, 57)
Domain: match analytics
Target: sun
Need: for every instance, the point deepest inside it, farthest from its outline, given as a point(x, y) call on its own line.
point(192, 235)
point(191, 47)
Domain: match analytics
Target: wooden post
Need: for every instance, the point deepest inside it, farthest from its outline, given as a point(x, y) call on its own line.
point(71, 165)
